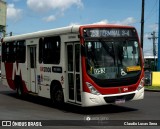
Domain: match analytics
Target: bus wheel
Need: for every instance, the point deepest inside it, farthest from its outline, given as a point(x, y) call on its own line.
point(57, 96)
point(19, 91)
point(19, 88)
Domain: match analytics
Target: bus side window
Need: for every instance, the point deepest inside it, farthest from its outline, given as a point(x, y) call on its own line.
point(10, 52)
point(51, 50)
point(14, 51)
point(21, 52)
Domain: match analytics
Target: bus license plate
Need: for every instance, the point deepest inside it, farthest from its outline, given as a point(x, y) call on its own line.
point(119, 101)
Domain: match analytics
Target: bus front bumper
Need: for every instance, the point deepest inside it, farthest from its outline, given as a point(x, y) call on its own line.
point(98, 100)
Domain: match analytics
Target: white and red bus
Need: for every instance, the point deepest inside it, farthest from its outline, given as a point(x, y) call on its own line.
point(86, 65)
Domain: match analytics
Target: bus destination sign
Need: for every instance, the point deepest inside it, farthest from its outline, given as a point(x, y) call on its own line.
point(109, 32)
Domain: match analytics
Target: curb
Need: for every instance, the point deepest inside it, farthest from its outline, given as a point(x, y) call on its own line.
point(151, 90)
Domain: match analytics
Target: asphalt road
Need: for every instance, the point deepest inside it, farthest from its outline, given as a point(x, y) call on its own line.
point(37, 108)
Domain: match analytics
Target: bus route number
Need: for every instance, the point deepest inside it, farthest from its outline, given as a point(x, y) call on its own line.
point(99, 71)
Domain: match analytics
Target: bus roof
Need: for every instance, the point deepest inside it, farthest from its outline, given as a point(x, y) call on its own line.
point(58, 31)
point(69, 29)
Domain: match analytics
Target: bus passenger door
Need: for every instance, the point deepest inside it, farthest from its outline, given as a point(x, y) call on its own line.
point(73, 72)
point(32, 67)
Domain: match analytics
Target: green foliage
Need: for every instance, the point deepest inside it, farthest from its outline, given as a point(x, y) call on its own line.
point(152, 87)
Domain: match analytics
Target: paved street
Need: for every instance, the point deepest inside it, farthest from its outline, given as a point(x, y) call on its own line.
point(37, 108)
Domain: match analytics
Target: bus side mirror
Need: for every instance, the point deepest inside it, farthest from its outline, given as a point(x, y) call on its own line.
point(83, 52)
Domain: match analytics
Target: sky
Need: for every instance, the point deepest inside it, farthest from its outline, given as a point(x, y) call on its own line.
point(24, 16)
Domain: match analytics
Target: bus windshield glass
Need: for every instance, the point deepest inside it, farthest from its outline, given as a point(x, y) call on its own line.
point(112, 59)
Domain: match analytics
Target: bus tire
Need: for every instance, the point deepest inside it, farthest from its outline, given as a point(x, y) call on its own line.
point(19, 88)
point(57, 96)
point(19, 91)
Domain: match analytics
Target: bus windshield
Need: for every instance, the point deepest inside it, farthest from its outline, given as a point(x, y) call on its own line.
point(112, 59)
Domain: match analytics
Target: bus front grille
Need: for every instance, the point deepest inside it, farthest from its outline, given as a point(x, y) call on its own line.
point(121, 97)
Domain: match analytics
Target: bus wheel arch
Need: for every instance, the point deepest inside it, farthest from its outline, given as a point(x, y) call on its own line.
point(56, 93)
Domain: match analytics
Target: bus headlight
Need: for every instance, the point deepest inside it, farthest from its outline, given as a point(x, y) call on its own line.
point(141, 84)
point(92, 89)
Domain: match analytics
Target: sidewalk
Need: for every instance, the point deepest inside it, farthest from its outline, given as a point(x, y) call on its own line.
point(149, 88)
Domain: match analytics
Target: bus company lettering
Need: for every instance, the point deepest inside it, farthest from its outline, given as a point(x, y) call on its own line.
point(46, 69)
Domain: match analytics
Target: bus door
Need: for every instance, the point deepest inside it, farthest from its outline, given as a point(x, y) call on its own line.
point(32, 68)
point(73, 72)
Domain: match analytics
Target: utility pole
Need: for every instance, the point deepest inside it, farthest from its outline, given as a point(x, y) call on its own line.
point(154, 47)
point(10, 34)
point(142, 23)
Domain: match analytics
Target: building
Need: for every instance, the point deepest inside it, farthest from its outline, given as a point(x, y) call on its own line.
point(3, 13)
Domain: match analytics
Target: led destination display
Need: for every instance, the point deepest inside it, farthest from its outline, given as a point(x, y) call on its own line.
point(107, 32)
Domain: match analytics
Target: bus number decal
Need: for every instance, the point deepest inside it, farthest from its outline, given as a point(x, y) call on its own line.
point(57, 69)
point(99, 71)
point(125, 89)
